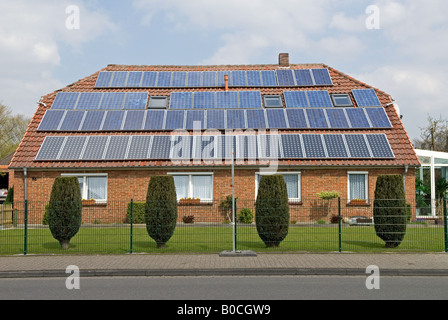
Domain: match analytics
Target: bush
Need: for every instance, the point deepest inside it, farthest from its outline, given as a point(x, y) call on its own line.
point(10, 196)
point(161, 209)
point(64, 213)
point(245, 215)
point(188, 219)
point(389, 210)
point(272, 210)
point(138, 213)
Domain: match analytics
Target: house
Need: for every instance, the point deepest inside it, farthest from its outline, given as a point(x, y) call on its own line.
point(320, 128)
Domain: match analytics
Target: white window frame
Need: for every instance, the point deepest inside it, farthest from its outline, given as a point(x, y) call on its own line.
point(84, 192)
point(366, 179)
point(296, 173)
point(190, 182)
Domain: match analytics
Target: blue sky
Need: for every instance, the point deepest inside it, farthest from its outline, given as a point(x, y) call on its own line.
point(405, 57)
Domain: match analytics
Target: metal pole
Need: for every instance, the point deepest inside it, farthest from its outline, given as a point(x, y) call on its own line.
point(444, 224)
point(25, 240)
point(233, 201)
point(132, 223)
point(339, 224)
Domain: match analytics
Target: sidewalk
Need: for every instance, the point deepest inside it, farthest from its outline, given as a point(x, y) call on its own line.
point(403, 264)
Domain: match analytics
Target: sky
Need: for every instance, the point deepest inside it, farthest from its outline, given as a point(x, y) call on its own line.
point(399, 47)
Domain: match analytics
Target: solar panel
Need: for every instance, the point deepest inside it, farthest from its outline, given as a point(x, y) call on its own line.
point(316, 118)
point(357, 146)
point(269, 146)
point(174, 120)
point(134, 120)
point(285, 78)
point(296, 99)
point(303, 77)
point(255, 119)
point(207, 146)
point(313, 145)
point(296, 118)
point(103, 80)
point(164, 79)
point(268, 78)
point(181, 100)
point(149, 79)
point(236, 119)
point(227, 100)
point(181, 147)
point(155, 120)
point(135, 100)
point(117, 148)
point(366, 98)
point(194, 79)
point(72, 149)
point(253, 78)
point(161, 148)
point(380, 146)
point(276, 119)
point(319, 99)
point(139, 147)
point(95, 148)
point(113, 120)
point(51, 120)
point(239, 79)
point(337, 118)
point(72, 120)
point(65, 100)
point(89, 100)
point(221, 80)
point(93, 120)
point(195, 120)
point(246, 147)
point(134, 79)
point(335, 146)
point(112, 100)
point(292, 146)
point(50, 147)
point(250, 99)
point(357, 118)
point(179, 79)
point(204, 100)
point(119, 79)
point(321, 77)
point(209, 79)
point(216, 119)
point(378, 118)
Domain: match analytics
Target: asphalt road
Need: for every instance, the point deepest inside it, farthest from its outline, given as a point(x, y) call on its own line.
point(223, 288)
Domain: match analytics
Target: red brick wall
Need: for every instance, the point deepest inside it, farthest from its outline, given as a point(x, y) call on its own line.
point(124, 185)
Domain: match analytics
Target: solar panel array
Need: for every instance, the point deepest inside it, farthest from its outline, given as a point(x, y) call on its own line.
point(366, 98)
point(100, 100)
point(212, 100)
point(250, 147)
point(152, 120)
point(239, 78)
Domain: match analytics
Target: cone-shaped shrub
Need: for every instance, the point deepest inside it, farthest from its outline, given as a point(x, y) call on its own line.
point(65, 210)
point(161, 209)
point(272, 210)
point(389, 210)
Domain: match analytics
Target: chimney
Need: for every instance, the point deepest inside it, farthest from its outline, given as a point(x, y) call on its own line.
point(283, 60)
point(226, 80)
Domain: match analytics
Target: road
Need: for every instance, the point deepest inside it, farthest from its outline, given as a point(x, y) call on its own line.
point(226, 288)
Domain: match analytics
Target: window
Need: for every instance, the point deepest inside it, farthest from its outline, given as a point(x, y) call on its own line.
point(358, 185)
point(341, 100)
point(293, 184)
point(93, 186)
point(273, 101)
point(194, 185)
point(158, 102)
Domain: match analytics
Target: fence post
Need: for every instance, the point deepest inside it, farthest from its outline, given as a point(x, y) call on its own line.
point(444, 224)
point(234, 221)
point(25, 240)
point(339, 224)
point(132, 223)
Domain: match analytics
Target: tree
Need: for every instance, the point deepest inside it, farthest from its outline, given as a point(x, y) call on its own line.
point(161, 209)
point(389, 210)
point(65, 210)
point(12, 129)
point(272, 210)
point(434, 136)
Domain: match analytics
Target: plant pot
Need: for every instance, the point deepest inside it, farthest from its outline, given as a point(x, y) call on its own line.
point(358, 202)
point(190, 202)
point(88, 202)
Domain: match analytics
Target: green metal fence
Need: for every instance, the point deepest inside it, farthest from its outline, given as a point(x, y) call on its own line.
point(315, 225)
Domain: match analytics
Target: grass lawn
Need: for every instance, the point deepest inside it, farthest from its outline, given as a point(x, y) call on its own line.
point(213, 239)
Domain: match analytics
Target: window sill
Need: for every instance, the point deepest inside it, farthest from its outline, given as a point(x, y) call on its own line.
point(195, 203)
point(359, 203)
point(94, 203)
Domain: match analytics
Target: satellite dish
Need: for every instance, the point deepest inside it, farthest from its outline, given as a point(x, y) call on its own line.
point(397, 109)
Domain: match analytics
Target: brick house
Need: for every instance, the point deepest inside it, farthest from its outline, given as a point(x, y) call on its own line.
point(320, 128)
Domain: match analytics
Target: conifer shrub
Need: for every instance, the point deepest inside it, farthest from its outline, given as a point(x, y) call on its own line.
point(389, 210)
point(161, 209)
point(64, 212)
point(272, 210)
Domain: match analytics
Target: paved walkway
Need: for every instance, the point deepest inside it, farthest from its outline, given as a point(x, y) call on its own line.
point(426, 264)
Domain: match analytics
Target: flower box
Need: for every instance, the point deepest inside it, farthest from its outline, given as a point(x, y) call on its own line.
point(358, 202)
point(88, 202)
point(189, 202)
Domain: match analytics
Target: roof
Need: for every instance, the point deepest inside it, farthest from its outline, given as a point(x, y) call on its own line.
point(6, 160)
point(35, 137)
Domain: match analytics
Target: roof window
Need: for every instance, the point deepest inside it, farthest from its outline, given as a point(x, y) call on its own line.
point(273, 101)
point(341, 100)
point(158, 102)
